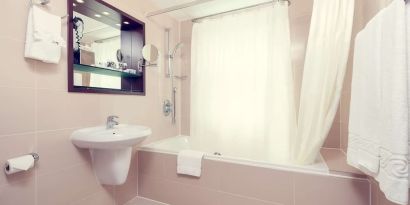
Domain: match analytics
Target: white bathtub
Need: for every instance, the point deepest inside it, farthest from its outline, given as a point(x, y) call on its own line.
point(173, 145)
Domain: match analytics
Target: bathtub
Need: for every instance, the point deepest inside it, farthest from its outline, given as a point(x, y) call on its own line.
point(174, 145)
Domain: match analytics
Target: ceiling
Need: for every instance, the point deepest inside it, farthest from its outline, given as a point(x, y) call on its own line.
point(96, 30)
point(208, 7)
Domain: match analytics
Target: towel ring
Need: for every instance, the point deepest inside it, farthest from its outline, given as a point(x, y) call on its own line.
point(42, 2)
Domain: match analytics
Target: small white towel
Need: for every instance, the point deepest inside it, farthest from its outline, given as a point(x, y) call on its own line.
point(379, 109)
point(190, 162)
point(43, 36)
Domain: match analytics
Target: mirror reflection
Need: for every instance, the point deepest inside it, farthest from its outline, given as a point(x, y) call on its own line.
point(106, 50)
point(99, 43)
point(96, 44)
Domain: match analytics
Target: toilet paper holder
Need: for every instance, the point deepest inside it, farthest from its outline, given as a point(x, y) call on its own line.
point(35, 156)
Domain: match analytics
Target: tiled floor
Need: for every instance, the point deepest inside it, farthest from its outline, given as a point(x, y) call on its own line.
point(143, 201)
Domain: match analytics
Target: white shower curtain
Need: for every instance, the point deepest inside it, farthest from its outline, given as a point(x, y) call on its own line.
point(324, 70)
point(241, 84)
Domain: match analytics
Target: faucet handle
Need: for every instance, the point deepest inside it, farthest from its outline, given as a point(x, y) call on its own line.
point(112, 117)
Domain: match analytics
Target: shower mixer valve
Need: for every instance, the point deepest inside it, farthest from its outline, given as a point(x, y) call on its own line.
point(167, 107)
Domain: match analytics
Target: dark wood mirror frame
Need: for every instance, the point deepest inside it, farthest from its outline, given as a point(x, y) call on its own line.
point(132, 42)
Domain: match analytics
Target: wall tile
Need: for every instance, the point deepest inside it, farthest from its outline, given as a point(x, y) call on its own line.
point(315, 190)
point(18, 72)
point(17, 110)
point(333, 138)
point(58, 152)
point(60, 110)
point(67, 186)
point(336, 161)
point(100, 198)
point(127, 191)
point(18, 11)
point(300, 8)
point(344, 135)
point(18, 193)
point(52, 76)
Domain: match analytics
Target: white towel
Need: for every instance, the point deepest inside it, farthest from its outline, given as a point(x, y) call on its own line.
point(190, 162)
point(379, 110)
point(43, 36)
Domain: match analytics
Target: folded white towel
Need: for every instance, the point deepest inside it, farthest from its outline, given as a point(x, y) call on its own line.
point(43, 36)
point(190, 162)
point(379, 110)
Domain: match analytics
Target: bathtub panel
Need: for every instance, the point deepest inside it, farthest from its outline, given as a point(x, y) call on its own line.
point(234, 182)
point(175, 193)
point(261, 183)
point(229, 199)
point(210, 176)
point(151, 163)
point(324, 190)
point(185, 194)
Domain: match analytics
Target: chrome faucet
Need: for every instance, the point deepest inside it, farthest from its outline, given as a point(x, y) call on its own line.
point(111, 122)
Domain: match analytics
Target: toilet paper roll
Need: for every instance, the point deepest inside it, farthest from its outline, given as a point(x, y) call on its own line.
point(19, 164)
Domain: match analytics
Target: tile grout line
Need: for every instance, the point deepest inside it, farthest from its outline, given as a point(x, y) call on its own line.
point(294, 188)
point(36, 174)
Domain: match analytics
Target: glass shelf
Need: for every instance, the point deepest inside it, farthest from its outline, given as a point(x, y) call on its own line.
point(104, 71)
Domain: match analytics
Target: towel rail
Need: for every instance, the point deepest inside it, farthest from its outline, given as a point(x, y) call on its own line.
point(44, 3)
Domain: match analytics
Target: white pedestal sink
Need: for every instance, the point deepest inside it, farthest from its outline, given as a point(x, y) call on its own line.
point(110, 149)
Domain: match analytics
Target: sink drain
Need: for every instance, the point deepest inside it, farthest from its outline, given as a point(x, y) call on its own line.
point(217, 154)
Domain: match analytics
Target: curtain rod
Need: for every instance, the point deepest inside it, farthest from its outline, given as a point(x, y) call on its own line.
point(177, 7)
point(239, 9)
point(198, 2)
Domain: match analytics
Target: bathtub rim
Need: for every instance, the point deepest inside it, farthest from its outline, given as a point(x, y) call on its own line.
point(307, 169)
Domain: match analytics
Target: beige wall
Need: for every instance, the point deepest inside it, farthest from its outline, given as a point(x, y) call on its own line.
point(38, 114)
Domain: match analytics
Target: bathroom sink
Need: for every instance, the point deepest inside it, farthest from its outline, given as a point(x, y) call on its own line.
point(120, 136)
point(110, 148)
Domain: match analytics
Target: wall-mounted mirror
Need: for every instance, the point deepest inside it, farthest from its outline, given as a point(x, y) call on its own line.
point(150, 55)
point(107, 46)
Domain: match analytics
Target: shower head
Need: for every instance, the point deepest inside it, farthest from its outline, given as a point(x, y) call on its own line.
point(172, 54)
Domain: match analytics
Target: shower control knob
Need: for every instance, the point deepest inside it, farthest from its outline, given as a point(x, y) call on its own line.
point(167, 107)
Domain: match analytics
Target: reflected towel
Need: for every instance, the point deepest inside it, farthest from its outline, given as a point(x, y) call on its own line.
point(190, 162)
point(43, 36)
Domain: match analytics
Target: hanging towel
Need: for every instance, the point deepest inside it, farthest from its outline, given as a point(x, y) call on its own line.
point(43, 36)
point(379, 109)
point(190, 162)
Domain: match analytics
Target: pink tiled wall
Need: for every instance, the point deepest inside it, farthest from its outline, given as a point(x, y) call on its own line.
point(38, 115)
point(225, 183)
